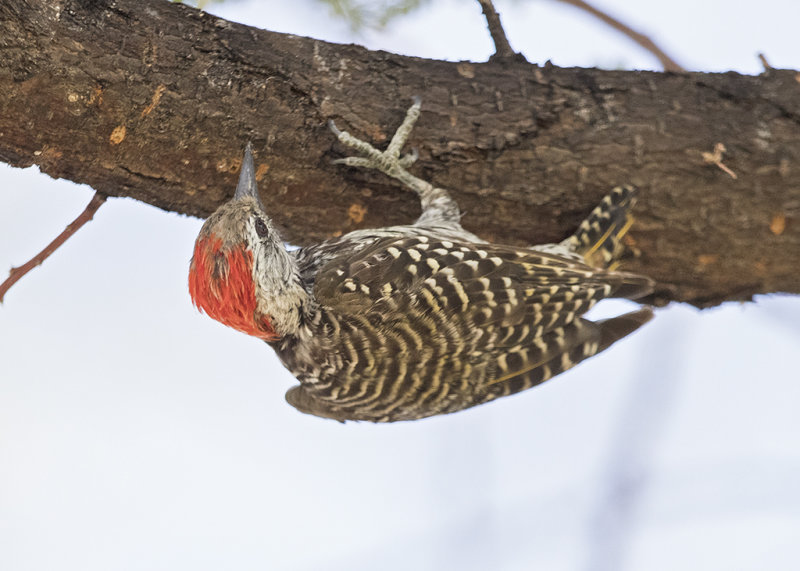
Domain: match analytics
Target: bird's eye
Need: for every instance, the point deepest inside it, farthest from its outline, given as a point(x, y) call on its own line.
point(261, 228)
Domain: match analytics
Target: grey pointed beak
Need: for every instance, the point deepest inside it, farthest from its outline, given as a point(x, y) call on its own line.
point(247, 178)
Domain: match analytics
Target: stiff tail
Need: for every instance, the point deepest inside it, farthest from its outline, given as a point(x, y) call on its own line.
point(614, 329)
point(598, 239)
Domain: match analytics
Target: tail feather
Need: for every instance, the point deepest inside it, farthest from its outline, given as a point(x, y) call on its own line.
point(598, 238)
point(614, 329)
point(632, 286)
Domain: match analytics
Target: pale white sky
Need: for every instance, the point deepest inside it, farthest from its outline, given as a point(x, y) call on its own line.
point(136, 434)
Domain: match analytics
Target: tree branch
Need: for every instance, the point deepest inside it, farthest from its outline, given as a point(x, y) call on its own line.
point(153, 100)
point(16, 273)
point(502, 49)
point(666, 62)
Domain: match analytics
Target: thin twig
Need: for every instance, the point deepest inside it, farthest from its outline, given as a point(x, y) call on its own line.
point(16, 273)
point(502, 49)
point(666, 62)
point(715, 158)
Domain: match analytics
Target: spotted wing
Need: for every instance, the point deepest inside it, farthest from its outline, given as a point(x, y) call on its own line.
point(430, 326)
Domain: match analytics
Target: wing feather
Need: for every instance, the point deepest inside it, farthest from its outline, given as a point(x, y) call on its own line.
point(494, 320)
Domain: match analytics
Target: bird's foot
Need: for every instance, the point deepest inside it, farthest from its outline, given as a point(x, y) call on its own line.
point(389, 162)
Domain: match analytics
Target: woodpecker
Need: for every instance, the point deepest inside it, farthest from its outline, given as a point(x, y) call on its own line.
point(406, 322)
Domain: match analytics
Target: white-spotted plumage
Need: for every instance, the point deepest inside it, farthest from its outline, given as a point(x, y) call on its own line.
point(404, 322)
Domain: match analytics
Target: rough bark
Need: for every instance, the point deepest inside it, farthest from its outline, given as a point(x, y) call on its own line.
point(153, 100)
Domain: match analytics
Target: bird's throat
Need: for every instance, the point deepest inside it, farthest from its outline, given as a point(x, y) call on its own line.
point(221, 284)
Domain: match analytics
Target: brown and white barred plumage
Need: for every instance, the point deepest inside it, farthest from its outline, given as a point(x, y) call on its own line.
point(405, 322)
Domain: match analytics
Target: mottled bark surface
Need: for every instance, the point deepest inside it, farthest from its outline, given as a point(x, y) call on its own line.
point(155, 101)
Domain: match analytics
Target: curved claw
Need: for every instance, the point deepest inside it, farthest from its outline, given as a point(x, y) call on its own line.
point(354, 162)
point(332, 126)
point(409, 159)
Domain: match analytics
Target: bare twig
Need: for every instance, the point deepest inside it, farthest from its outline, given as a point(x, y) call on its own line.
point(715, 158)
point(667, 62)
point(763, 59)
point(16, 273)
point(502, 49)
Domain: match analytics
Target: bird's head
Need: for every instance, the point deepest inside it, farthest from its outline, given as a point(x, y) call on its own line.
point(241, 274)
